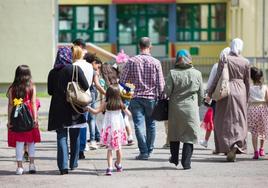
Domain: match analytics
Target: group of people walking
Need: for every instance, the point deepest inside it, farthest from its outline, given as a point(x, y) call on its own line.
point(183, 87)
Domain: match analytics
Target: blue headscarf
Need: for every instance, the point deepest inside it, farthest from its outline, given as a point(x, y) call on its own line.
point(184, 57)
point(64, 57)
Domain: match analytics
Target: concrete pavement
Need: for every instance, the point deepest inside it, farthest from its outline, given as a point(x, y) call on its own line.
point(207, 170)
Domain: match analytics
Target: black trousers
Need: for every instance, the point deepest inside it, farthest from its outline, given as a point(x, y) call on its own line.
point(187, 151)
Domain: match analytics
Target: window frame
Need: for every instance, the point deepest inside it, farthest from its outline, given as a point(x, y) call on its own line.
point(209, 30)
point(90, 31)
point(146, 15)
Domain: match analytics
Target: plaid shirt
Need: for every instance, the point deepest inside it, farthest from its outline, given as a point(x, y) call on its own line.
point(145, 72)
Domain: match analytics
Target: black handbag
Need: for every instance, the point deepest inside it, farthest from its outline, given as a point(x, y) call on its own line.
point(160, 112)
point(21, 119)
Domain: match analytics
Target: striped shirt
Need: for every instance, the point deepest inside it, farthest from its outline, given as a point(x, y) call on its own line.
point(145, 72)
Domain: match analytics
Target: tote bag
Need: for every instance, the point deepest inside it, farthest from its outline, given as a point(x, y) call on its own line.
point(222, 89)
point(75, 95)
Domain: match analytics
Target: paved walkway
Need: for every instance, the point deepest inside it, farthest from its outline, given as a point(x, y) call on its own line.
point(207, 170)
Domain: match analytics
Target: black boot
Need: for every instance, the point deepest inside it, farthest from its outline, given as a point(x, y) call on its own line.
point(64, 171)
point(187, 152)
point(81, 155)
point(174, 151)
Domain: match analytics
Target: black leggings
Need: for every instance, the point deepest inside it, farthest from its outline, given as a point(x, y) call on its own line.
point(187, 152)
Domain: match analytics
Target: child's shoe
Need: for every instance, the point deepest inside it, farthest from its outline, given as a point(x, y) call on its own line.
point(261, 152)
point(256, 155)
point(32, 169)
point(130, 142)
point(119, 168)
point(108, 172)
point(203, 143)
point(19, 171)
point(93, 145)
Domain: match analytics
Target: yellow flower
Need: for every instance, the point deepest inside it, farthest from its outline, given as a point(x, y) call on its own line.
point(17, 102)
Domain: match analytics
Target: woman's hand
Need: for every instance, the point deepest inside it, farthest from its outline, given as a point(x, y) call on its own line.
point(9, 125)
point(36, 125)
point(207, 99)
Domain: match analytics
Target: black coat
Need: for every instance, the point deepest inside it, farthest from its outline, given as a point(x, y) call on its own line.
point(61, 114)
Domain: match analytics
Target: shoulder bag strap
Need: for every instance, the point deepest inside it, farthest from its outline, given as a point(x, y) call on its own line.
point(73, 73)
point(76, 73)
point(75, 108)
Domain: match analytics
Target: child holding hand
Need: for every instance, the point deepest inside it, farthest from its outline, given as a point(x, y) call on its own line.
point(113, 132)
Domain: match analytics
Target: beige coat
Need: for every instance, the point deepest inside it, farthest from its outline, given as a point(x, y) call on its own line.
point(231, 112)
point(185, 92)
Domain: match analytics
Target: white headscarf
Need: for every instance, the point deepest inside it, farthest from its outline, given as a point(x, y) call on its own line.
point(236, 46)
point(224, 53)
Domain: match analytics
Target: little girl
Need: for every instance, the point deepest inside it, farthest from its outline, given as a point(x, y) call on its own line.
point(22, 87)
point(113, 133)
point(208, 125)
point(258, 112)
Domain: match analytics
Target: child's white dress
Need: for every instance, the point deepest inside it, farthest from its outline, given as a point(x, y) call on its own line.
point(113, 132)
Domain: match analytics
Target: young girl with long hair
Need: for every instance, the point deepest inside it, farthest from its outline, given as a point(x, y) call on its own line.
point(23, 87)
point(113, 132)
point(258, 112)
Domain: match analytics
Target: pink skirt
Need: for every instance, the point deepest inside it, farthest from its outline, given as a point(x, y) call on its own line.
point(258, 120)
point(29, 136)
point(207, 123)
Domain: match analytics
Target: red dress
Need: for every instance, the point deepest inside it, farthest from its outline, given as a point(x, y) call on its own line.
point(29, 136)
point(207, 123)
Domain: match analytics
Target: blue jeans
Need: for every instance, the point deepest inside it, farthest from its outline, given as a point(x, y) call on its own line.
point(63, 150)
point(141, 110)
point(94, 133)
point(83, 135)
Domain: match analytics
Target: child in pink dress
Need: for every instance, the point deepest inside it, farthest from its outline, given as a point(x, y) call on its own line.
point(113, 132)
point(258, 112)
point(22, 87)
point(208, 125)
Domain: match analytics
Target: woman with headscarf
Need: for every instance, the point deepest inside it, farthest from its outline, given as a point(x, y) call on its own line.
point(185, 92)
point(231, 111)
point(61, 114)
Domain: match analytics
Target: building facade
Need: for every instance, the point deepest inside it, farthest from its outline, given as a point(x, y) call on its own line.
point(204, 27)
point(31, 30)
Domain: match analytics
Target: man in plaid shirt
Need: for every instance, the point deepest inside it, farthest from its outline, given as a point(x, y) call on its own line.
point(145, 72)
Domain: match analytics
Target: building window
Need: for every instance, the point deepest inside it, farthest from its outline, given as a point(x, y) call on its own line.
point(86, 22)
point(201, 22)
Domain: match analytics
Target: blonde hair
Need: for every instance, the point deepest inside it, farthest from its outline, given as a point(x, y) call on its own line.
point(77, 53)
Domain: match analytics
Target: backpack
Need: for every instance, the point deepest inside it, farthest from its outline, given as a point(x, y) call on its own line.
point(21, 118)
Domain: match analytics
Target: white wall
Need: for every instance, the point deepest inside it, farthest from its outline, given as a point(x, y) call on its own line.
point(27, 36)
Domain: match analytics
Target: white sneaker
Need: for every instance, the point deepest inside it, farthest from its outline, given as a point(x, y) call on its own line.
point(19, 171)
point(93, 145)
point(86, 148)
point(32, 169)
point(203, 143)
